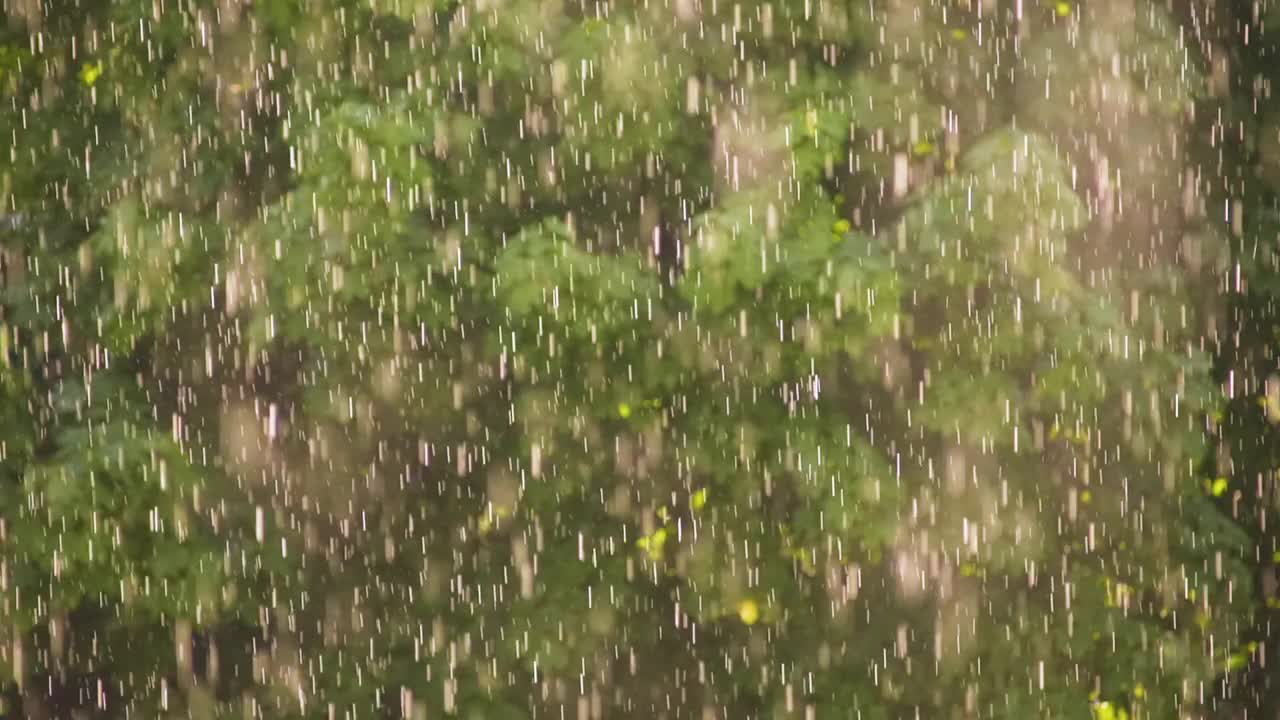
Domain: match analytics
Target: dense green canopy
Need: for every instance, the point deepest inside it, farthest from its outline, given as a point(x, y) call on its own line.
point(671, 358)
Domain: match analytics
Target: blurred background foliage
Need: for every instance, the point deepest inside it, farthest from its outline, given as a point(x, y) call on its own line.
point(669, 358)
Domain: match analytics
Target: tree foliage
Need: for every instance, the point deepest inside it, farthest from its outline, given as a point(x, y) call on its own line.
point(681, 359)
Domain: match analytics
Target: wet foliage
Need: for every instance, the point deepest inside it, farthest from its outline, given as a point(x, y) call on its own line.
point(659, 358)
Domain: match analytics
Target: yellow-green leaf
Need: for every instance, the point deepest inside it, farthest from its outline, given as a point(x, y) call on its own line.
point(699, 499)
point(90, 72)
